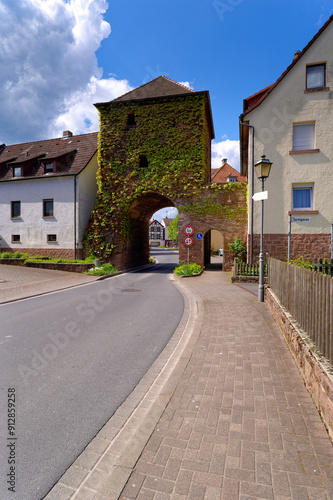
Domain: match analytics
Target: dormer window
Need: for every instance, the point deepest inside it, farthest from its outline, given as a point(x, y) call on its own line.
point(48, 168)
point(131, 123)
point(316, 77)
point(17, 171)
point(232, 179)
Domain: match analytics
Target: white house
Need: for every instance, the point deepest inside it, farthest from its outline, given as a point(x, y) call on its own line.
point(292, 124)
point(47, 191)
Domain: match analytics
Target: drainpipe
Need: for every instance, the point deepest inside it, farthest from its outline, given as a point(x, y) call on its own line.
point(252, 190)
point(75, 217)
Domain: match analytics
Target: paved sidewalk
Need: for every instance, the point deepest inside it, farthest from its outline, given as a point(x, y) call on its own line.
point(18, 282)
point(240, 423)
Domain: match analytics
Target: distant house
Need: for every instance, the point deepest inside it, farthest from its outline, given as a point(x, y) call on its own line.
point(47, 191)
point(226, 173)
point(292, 121)
point(156, 234)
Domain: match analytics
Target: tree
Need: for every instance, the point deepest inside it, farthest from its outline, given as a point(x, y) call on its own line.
point(173, 230)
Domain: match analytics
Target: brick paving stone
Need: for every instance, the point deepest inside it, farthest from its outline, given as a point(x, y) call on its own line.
point(240, 424)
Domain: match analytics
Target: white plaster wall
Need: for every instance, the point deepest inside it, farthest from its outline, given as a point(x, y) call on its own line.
point(32, 227)
point(86, 196)
point(273, 121)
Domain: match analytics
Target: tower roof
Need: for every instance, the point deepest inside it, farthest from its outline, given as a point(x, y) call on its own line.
point(159, 87)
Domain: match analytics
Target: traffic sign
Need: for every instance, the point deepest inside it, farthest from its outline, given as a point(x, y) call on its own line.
point(188, 230)
point(188, 241)
point(199, 236)
point(262, 195)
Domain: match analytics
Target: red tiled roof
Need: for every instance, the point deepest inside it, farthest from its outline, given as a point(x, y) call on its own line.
point(250, 103)
point(73, 154)
point(221, 174)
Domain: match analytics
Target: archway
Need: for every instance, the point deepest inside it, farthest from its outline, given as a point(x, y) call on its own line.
point(139, 213)
point(213, 244)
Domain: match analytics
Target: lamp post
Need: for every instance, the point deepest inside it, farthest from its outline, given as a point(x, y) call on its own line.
point(263, 168)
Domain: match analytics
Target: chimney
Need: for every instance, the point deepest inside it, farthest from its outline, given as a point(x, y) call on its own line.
point(297, 53)
point(224, 161)
point(67, 134)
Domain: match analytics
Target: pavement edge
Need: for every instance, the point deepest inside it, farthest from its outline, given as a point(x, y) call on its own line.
point(104, 467)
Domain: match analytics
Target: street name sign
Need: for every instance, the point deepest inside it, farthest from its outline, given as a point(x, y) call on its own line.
point(300, 219)
point(262, 195)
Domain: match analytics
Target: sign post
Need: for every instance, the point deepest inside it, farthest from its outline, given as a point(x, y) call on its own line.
point(188, 242)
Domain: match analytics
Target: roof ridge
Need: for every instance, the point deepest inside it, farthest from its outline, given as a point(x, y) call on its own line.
point(48, 140)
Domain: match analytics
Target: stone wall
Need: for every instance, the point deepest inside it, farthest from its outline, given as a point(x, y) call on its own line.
point(315, 370)
point(310, 246)
point(53, 253)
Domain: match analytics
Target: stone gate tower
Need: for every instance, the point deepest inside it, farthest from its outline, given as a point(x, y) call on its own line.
point(155, 152)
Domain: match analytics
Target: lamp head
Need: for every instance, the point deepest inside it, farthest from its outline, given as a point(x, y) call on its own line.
point(263, 168)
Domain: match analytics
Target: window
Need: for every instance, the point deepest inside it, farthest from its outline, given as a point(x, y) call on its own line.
point(143, 162)
point(315, 76)
point(48, 168)
point(16, 238)
point(232, 179)
point(51, 238)
point(302, 197)
point(48, 208)
point(304, 137)
point(131, 123)
point(17, 172)
point(15, 209)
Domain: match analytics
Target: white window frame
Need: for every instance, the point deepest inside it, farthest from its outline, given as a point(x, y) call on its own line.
point(299, 187)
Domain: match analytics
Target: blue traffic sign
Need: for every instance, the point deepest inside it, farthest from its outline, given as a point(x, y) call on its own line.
point(199, 236)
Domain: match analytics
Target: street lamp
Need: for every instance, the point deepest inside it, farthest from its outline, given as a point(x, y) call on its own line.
point(263, 168)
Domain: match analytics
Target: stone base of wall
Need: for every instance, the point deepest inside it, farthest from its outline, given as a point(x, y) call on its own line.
point(62, 266)
point(310, 246)
point(53, 253)
point(315, 370)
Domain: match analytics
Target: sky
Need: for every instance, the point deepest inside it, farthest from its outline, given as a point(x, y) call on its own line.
point(59, 57)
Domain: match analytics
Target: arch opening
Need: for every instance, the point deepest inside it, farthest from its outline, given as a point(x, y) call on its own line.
point(213, 249)
point(140, 213)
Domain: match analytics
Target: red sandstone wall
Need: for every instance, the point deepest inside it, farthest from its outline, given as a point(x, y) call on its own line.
point(310, 246)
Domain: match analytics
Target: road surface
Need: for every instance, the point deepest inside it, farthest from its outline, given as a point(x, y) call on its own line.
point(71, 358)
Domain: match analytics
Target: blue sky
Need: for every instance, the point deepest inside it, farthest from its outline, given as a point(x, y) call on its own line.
point(58, 57)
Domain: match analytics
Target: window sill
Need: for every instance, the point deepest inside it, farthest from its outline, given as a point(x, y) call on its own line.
point(16, 218)
point(303, 151)
point(48, 217)
point(310, 91)
point(306, 212)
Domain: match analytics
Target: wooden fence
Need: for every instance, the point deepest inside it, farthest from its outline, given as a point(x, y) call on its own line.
point(323, 266)
point(308, 296)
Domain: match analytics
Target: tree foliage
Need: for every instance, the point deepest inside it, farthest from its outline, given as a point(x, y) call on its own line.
point(173, 230)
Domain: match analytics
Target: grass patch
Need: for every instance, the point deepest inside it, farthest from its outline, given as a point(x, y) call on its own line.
point(188, 270)
point(13, 255)
point(103, 270)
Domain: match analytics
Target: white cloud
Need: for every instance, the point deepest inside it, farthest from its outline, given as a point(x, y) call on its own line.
point(169, 212)
point(225, 149)
point(49, 71)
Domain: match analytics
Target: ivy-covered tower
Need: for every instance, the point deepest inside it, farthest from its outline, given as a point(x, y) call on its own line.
point(154, 152)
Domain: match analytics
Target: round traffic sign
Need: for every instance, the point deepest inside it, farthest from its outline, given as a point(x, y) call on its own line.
point(199, 236)
point(188, 241)
point(188, 230)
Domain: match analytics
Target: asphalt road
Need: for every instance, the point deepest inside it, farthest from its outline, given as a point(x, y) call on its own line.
point(72, 357)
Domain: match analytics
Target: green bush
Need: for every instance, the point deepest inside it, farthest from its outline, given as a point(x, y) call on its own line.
point(187, 269)
point(301, 262)
point(13, 255)
point(103, 270)
point(238, 249)
point(89, 259)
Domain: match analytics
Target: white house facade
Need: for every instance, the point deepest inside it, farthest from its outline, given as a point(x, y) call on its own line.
point(292, 124)
point(47, 191)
